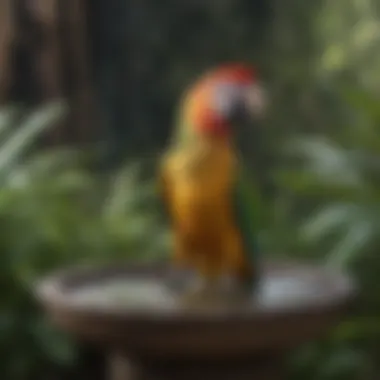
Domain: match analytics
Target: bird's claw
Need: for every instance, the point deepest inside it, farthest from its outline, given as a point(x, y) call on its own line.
point(202, 290)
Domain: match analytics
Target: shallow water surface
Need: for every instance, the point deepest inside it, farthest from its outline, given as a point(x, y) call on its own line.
point(280, 290)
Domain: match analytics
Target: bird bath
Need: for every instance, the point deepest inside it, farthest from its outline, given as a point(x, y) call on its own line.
point(150, 335)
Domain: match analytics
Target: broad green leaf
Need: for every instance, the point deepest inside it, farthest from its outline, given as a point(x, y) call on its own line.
point(326, 220)
point(357, 236)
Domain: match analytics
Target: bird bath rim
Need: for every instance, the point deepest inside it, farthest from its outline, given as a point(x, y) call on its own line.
point(54, 292)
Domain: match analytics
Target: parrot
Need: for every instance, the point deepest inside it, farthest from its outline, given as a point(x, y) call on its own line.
point(207, 193)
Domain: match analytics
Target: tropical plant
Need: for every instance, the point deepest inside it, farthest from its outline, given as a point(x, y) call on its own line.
point(333, 186)
point(54, 212)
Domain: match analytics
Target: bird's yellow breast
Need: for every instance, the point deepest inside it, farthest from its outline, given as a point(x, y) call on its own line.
point(197, 185)
point(201, 182)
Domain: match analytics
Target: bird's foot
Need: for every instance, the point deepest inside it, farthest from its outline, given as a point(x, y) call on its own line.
point(235, 290)
point(201, 289)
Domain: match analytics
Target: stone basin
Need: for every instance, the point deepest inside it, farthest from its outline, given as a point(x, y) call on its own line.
point(151, 334)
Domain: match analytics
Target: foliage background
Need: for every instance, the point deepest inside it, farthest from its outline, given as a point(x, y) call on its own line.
point(316, 160)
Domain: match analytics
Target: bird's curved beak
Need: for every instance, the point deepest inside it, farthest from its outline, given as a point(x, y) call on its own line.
point(256, 101)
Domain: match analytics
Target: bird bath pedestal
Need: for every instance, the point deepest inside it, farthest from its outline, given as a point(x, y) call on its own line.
point(150, 335)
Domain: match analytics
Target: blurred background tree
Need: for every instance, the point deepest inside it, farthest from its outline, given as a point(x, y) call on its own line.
point(121, 67)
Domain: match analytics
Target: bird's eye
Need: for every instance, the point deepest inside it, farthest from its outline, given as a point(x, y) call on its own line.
point(225, 98)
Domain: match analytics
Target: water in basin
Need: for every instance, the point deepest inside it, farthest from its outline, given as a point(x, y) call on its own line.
point(276, 291)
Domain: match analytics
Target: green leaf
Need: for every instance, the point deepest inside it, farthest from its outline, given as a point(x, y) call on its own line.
point(56, 345)
point(358, 236)
point(326, 161)
point(7, 117)
point(26, 134)
point(363, 101)
point(328, 219)
point(345, 363)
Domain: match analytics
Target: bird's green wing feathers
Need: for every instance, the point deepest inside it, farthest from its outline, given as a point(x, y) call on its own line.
point(246, 203)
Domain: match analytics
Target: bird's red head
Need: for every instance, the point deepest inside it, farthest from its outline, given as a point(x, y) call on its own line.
point(221, 98)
